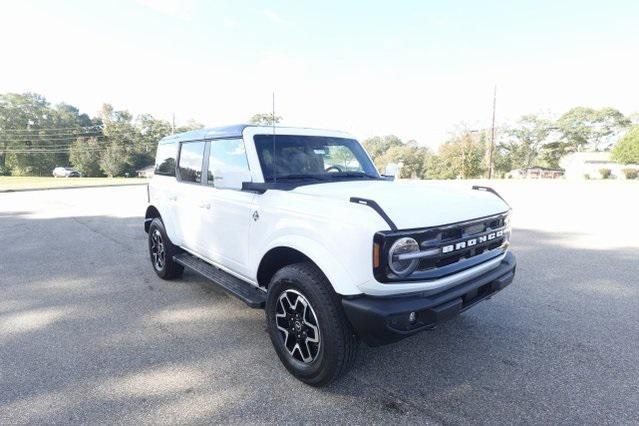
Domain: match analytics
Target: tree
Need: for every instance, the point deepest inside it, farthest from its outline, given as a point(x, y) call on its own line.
point(121, 136)
point(461, 157)
point(85, 155)
point(627, 149)
point(412, 157)
point(114, 159)
point(188, 126)
point(378, 145)
point(526, 140)
point(584, 128)
point(35, 136)
point(150, 130)
point(265, 119)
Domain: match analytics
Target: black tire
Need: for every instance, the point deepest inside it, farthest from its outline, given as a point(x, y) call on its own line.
point(337, 347)
point(166, 269)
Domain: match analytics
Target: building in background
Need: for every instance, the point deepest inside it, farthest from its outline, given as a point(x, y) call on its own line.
point(589, 165)
point(535, 173)
point(146, 172)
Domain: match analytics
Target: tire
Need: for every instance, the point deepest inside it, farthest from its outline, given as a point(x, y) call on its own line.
point(301, 307)
point(161, 252)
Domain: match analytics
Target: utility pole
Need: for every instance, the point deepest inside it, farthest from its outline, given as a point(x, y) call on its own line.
point(173, 124)
point(492, 137)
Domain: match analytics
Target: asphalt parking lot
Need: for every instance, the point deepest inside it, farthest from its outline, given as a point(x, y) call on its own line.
point(89, 334)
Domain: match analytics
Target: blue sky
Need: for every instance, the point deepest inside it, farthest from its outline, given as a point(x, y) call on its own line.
point(419, 69)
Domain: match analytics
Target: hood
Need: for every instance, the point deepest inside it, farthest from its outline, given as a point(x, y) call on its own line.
point(415, 204)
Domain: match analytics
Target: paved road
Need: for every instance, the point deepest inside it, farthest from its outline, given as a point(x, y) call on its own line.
point(89, 334)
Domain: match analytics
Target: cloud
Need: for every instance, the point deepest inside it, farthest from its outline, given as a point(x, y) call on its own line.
point(182, 9)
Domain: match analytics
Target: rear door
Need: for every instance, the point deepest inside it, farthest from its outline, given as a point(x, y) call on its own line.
point(226, 221)
point(190, 194)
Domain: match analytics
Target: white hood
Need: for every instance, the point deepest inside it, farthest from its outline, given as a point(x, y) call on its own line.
point(415, 204)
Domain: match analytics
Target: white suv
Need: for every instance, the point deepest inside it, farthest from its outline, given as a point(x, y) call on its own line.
point(299, 222)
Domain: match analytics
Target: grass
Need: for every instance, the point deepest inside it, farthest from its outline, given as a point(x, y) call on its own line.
point(12, 183)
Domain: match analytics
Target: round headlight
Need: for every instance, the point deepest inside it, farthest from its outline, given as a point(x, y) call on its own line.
point(403, 267)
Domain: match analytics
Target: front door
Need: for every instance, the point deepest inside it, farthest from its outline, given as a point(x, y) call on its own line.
point(226, 223)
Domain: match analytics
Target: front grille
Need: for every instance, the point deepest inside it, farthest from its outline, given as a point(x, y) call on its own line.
point(426, 264)
point(454, 235)
point(445, 249)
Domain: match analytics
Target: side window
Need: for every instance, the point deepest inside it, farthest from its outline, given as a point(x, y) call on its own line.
point(190, 163)
point(228, 155)
point(165, 160)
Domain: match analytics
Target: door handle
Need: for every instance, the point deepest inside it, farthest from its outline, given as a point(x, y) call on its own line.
point(205, 206)
point(172, 197)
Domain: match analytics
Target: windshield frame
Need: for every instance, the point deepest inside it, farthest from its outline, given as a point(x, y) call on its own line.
point(263, 141)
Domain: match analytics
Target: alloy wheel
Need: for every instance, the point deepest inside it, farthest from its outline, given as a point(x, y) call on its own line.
point(298, 327)
point(158, 252)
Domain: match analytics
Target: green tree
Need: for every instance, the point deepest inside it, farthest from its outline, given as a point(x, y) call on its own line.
point(85, 155)
point(188, 126)
point(627, 149)
point(121, 137)
point(149, 131)
point(378, 145)
point(588, 128)
point(265, 119)
point(464, 156)
point(526, 140)
point(114, 159)
point(413, 158)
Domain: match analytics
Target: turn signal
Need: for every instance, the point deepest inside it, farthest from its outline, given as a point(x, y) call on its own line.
point(376, 261)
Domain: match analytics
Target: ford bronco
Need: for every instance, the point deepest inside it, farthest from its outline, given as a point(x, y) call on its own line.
point(299, 222)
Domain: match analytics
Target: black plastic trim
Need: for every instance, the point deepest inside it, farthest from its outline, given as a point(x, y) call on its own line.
point(386, 238)
point(373, 205)
point(381, 320)
point(491, 190)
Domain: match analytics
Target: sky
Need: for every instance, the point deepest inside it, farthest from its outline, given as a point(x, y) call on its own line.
point(417, 69)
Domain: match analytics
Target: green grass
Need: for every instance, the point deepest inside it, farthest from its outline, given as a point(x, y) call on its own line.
point(8, 183)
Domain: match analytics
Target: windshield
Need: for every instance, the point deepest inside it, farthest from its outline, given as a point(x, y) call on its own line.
point(313, 157)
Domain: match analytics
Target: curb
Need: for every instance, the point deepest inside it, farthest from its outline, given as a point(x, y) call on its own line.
point(72, 187)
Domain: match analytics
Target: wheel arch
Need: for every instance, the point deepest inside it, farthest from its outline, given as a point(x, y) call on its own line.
point(151, 213)
point(281, 255)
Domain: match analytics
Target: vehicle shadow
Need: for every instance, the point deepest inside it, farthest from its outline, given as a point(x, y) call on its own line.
point(88, 332)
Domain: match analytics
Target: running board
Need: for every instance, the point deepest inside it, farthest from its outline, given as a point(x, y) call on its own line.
point(244, 291)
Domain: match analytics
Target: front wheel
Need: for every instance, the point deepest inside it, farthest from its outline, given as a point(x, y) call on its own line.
point(161, 251)
point(307, 325)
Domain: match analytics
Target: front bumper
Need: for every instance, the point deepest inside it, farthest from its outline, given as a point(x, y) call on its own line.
point(381, 320)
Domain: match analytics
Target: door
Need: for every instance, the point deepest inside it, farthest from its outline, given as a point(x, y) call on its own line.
point(190, 194)
point(226, 223)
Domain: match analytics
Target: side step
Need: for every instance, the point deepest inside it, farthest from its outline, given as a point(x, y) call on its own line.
point(244, 291)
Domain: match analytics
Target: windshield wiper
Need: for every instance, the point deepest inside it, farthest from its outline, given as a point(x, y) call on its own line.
point(300, 176)
point(353, 174)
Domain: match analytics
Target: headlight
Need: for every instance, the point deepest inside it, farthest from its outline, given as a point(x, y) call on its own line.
point(406, 266)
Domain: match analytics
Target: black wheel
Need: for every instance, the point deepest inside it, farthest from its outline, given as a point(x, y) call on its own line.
point(307, 326)
point(161, 251)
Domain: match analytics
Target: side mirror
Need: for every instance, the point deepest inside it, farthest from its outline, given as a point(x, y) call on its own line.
point(230, 179)
point(392, 170)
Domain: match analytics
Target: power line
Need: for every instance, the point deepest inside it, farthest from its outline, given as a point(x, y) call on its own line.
point(48, 129)
point(45, 138)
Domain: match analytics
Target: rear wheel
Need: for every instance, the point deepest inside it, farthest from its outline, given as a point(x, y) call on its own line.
point(307, 326)
point(161, 251)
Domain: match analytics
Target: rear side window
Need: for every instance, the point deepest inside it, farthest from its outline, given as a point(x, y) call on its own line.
point(190, 164)
point(228, 155)
point(165, 160)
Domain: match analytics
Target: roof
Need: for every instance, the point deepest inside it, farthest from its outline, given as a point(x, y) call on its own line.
point(236, 131)
point(233, 131)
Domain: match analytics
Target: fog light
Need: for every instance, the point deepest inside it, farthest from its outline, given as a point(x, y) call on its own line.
point(412, 317)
